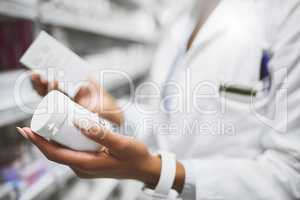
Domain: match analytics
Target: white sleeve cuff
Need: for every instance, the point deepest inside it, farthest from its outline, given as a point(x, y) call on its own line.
point(189, 189)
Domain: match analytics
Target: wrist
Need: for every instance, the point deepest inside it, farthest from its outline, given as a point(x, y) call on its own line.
point(152, 172)
point(179, 178)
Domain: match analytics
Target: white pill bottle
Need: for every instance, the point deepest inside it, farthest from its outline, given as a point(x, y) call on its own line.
point(55, 117)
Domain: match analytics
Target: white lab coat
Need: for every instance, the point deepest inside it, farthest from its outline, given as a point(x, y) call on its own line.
point(242, 149)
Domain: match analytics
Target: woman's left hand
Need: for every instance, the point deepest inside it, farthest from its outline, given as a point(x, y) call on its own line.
point(121, 157)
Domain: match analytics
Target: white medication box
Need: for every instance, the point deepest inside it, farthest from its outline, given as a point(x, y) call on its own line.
point(54, 61)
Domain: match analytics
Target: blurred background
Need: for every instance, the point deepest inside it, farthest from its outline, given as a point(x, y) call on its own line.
point(110, 34)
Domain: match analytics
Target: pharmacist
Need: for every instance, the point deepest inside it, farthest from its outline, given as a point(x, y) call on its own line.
point(230, 91)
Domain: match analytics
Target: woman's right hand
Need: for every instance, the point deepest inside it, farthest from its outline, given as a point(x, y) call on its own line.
point(91, 96)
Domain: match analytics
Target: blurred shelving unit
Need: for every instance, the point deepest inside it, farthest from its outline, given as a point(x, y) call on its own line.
point(7, 192)
point(10, 111)
point(133, 62)
point(19, 8)
point(47, 184)
point(99, 189)
point(10, 104)
point(102, 19)
point(98, 17)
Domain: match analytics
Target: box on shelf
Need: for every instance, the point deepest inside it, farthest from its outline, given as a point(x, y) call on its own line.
point(15, 38)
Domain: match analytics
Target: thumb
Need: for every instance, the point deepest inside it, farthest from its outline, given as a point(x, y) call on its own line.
point(115, 142)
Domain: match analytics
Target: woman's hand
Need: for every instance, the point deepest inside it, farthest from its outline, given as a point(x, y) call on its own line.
point(121, 157)
point(91, 96)
point(96, 99)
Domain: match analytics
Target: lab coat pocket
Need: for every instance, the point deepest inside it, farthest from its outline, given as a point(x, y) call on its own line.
point(242, 105)
point(241, 97)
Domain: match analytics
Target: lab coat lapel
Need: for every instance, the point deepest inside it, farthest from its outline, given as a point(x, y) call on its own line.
point(214, 26)
point(170, 51)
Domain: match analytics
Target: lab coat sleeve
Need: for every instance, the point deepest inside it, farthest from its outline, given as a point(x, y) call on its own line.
point(275, 173)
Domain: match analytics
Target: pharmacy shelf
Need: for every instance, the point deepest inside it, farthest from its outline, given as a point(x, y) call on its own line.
point(45, 185)
point(121, 64)
point(7, 192)
point(95, 189)
point(117, 23)
point(53, 179)
point(14, 114)
point(19, 8)
point(48, 183)
point(103, 188)
point(11, 97)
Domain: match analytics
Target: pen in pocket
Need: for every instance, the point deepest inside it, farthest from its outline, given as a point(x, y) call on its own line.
point(237, 89)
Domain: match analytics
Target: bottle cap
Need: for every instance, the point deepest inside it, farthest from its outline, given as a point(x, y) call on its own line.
point(50, 114)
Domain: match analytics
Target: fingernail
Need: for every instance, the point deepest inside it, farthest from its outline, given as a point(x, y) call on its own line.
point(22, 133)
